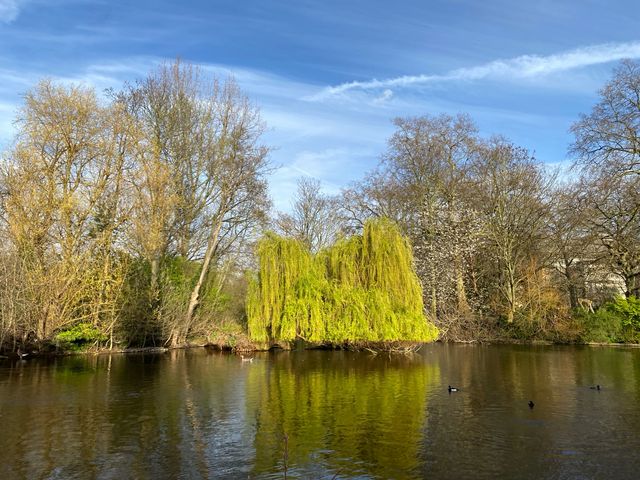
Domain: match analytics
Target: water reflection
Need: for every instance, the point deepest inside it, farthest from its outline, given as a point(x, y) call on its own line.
point(573, 431)
point(344, 413)
point(194, 414)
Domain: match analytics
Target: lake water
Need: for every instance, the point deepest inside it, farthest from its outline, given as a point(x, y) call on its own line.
point(200, 414)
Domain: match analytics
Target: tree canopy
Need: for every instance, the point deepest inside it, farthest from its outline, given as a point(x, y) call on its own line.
point(361, 289)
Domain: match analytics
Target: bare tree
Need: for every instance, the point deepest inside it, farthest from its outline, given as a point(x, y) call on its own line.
point(609, 137)
point(428, 158)
point(570, 241)
point(612, 213)
point(207, 169)
point(62, 204)
point(512, 191)
point(607, 143)
point(315, 218)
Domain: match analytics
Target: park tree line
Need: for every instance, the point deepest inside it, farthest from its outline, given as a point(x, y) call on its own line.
point(132, 218)
point(504, 245)
point(125, 219)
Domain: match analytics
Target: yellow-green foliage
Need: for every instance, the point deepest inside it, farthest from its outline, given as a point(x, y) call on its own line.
point(361, 289)
point(366, 396)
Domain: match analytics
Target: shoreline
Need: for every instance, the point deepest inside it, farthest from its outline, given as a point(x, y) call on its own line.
point(229, 349)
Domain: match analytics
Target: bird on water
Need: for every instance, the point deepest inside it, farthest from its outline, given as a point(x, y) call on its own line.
point(531, 404)
point(452, 389)
point(246, 359)
point(597, 387)
point(21, 354)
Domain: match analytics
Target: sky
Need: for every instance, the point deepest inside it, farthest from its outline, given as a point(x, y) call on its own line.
point(330, 75)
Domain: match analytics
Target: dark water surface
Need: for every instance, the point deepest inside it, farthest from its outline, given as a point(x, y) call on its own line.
point(197, 414)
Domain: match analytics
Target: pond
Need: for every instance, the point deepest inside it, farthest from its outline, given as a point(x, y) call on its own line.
point(201, 414)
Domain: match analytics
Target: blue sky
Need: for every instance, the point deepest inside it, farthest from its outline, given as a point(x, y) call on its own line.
point(330, 75)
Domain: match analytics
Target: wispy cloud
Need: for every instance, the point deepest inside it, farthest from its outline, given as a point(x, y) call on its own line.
point(522, 67)
point(384, 97)
point(333, 167)
point(9, 10)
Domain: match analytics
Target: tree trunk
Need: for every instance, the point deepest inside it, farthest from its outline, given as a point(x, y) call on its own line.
point(511, 300)
point(510, 314)
point(204, 270)
point(463, 304)
point(571, 285)
point(628, 285)
point(41, 331)
point(510, 287)
point(434, 295)
point(571, 276)
point(573, 295)
point(154, 291)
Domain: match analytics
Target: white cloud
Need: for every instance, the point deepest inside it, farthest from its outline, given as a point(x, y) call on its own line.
point(9, 10)
point(522, 67)
point(385, 97)
point(332, 143)
point(310, 139)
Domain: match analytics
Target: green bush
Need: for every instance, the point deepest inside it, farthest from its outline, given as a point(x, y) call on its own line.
point(629, 311)
point(602, 326)
point(615, 321)
point(80, 336)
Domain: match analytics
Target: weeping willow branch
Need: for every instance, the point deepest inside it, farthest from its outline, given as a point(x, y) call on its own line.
point(361, 289)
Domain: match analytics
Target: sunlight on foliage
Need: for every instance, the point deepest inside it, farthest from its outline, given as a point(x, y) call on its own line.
point(80, 336)
point(363, 288)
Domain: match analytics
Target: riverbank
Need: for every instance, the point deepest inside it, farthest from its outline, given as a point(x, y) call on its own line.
point(249, 347)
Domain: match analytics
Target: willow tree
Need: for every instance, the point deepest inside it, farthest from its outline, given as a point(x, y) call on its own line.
point(361, 289)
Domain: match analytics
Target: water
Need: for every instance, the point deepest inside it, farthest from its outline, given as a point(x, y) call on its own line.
point(198, 414)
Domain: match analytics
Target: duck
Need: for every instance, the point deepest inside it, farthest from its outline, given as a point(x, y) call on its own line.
point(246, 359)
point(596, 387)
point(531, 404)
point(453, 389)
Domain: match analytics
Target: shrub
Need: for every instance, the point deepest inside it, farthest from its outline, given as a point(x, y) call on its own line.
point(80, 336)
point(604, 325)
point(629, 311)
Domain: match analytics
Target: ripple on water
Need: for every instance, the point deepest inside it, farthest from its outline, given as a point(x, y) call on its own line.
point(198, 415)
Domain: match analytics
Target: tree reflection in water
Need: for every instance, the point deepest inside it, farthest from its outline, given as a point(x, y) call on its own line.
point(346, 413)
